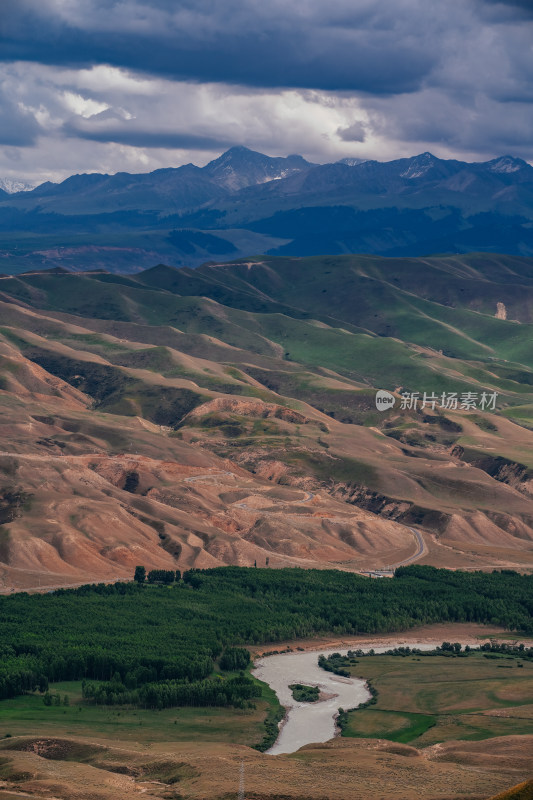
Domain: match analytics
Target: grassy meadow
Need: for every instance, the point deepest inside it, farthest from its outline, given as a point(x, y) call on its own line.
point(27, 715)
point(423, 700)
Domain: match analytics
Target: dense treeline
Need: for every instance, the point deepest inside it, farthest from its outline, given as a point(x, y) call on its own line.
point(156, 575)
point(166, 694)
point(235, 658)
point(147, 634)
point(453, 650)
point(163, 576)
point(235, 691)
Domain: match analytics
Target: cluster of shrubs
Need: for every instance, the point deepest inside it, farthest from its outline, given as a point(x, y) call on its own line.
point(342, 718)
point(271, 724)
point(373, 699)
point(336, 663)
point(304, 694)
point(455, 650)
point(54, 699)
point(279, 652)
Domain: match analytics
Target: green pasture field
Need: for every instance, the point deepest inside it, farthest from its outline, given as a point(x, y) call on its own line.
point(428, 699)
point(27, 715)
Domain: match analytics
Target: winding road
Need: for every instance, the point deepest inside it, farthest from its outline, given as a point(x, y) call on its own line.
point(389, 569)
point(307, 499)
point(422, 550)
point(309, 496)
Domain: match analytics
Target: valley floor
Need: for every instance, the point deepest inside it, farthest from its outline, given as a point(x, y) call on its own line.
point(80, 752)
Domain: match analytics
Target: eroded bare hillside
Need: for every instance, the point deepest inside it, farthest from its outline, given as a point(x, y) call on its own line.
point(143, 426)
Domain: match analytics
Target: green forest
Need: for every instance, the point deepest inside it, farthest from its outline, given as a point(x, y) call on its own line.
point(163, 645)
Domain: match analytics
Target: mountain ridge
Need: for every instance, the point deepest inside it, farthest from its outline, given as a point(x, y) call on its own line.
point(244, 203)
point(241, 157)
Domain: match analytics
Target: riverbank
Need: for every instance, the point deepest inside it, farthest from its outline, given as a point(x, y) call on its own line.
point(464, 632)
point(309, 723)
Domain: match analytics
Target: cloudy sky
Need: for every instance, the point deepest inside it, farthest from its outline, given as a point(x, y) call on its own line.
point(110, 85)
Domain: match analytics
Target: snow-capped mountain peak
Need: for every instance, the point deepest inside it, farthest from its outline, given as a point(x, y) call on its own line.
point(11, 185)
point(352, 162)
point(506, 164)
point(239, 167)
point(418, 166)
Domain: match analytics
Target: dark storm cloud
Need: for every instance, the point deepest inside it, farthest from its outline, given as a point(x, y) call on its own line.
point(484, 126)
point(505, 12)
point(353, 133)
point(275, 44)
point(139, 84)
point(139, 137)
point(18, 127)
point(522, 5)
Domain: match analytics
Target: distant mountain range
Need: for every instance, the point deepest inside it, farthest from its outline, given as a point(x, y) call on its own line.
point(246, 203)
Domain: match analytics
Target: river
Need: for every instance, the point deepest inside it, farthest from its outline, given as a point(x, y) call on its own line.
point(306, 723)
